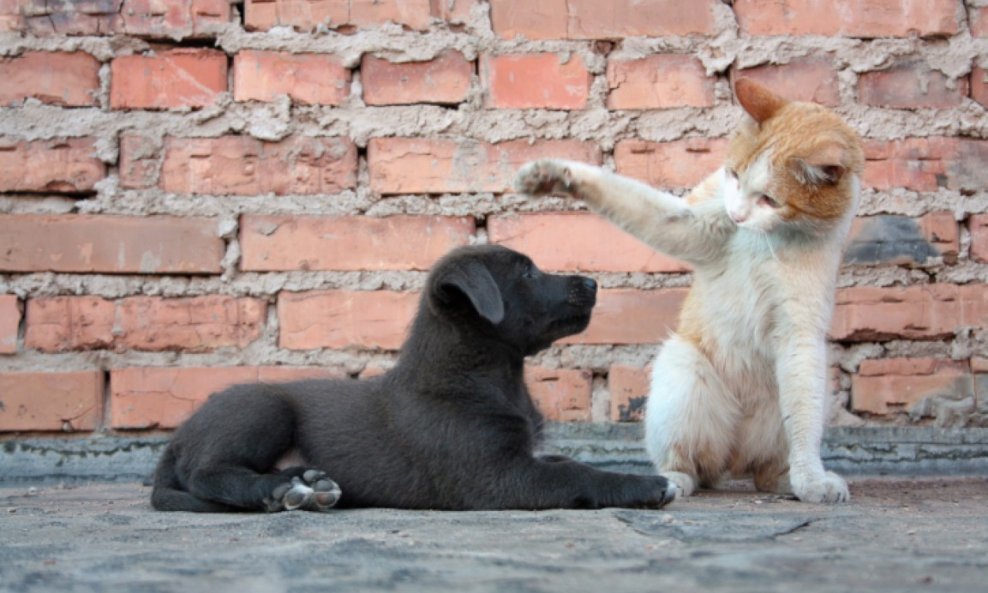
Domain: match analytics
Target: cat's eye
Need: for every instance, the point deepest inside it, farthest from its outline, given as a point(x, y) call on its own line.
point(766, 200)
point(732, 174)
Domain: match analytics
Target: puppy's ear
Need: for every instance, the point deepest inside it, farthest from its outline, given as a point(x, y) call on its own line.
point(473, 280)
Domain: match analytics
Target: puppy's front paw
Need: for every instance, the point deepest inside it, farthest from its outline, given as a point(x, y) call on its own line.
point(825, 487)
point(543, 177)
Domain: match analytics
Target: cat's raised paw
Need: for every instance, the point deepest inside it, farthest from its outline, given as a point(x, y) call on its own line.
point(827, 487)
point(544, 177)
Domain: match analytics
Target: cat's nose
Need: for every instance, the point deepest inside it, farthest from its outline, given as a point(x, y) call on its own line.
point(737, 217)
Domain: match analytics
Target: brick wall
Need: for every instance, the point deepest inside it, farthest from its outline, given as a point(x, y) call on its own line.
point(200, 192)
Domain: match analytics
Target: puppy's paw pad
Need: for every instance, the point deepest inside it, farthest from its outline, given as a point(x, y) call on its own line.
point(827, 487)
point(288, 496)
point(326, 493)
point(298, 496)
point(543, 177)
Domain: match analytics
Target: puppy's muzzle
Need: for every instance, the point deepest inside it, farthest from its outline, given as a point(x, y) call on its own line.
point(582, 292)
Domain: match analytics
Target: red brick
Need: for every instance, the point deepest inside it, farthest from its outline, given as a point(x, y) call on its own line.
point(10, 16)
point(444, 80)
point(978, 224)
point(58, 78)
point(70, 17)
point(979, 365)
point(659, 82)
point(979, 21)
point(10, 320)
point(174, 19)
point(414, 14)
point(307, 15)
point(849, 18)
point(926, 164)
point(677, 164)
point(309, 79)
point(57, 324)
point(142, 398)
point(548, 19)
point(380, 319)
point(67, 165)
point(192, 324)
point(304, 15)
point(455, 12)
point(629, 388)
point(247, 166)
point(562, 395)
point(902, 382)
point(979, 84)
point(910, 85)
point(418, 165)
point(527, 81)
point(629, 316)
point(577, 242)
point(808, 79)
point(40, 401)
point(109, 244)
point(592, 19)
point(892, 239)
point(917, 312)
point(349, 242)
point(345, 319)
point(168, 80)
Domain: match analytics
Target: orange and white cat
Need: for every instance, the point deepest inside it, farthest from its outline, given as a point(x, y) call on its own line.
point(740, 388)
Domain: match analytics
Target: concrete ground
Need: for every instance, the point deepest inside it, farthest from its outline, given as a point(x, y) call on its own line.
point(897, 534)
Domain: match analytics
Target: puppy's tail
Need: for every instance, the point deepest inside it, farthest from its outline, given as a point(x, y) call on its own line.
point(167, 493)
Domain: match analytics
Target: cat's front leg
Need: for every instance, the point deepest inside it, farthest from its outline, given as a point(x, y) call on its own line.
point(664, 221)
point(802, 388)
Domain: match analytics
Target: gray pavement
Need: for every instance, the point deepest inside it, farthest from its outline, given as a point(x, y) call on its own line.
point(897, 534)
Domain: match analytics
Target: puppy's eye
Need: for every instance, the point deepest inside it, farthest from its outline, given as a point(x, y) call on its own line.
point(766, 200)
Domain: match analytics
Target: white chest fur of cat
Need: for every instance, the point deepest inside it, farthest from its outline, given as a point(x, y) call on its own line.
point(740, 388)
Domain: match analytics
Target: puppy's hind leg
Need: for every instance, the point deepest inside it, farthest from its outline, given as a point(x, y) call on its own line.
point(168, 495)
point(690, 418)
point(241, 434)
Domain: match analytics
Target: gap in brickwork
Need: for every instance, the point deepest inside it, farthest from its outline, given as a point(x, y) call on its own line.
point(104, 422)
point(238, 11)
point(187, 42)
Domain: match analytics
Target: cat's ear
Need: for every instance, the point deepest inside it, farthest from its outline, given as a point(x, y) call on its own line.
point(824, 167)
point(758, 101)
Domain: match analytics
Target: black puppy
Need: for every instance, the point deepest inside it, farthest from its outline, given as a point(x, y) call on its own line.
point(451, 426)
